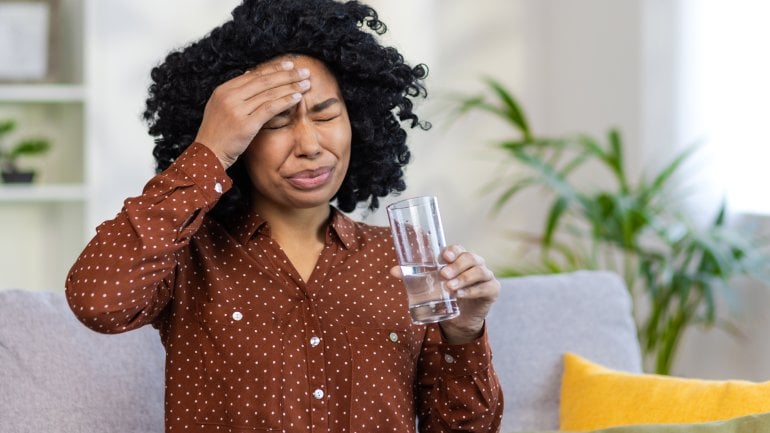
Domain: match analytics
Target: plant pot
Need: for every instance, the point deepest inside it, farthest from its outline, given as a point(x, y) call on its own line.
point(18, 176)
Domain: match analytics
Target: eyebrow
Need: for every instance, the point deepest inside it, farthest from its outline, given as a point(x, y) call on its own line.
point(321, 106)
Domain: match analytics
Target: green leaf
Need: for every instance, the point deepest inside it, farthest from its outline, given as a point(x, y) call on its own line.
point(29, 147)
point(508, 194)
point(658, 183)
point(480, 103)
point(7, 126)
point(550, 176)
point(574, 164)
point(515, 145)
point(615, 160)
point(721, 213)
point(554, 216)
point(708, 295)
point(512, 109)
point(592, 147)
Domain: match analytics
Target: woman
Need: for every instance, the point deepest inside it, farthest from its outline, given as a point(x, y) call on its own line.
point(278, 312)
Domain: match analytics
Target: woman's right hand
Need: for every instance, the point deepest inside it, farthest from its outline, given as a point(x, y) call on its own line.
point(238, 108)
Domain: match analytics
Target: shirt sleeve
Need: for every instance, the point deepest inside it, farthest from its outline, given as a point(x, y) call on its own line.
point(457, 389)
point(124, 277)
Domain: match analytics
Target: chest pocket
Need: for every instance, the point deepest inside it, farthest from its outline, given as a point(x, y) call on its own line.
point(241, 380)
point(382, 378)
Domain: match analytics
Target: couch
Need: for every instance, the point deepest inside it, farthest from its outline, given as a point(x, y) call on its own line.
point(58, 376)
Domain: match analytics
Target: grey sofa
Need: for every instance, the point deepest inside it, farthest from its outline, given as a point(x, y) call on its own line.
point(58, 376)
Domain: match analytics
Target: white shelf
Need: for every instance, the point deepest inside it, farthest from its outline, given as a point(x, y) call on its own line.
point(44, 222)
point(11, 193)
point(42, 93)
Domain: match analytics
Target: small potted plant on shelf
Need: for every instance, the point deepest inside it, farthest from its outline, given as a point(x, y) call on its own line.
point(11, 172)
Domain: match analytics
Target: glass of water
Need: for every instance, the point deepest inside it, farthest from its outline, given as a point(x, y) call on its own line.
point(419, 240)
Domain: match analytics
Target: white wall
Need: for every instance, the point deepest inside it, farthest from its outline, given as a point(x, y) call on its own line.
point(128, 39)
point(577, 66)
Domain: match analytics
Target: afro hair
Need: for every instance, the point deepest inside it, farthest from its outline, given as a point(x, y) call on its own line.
point(378, 87)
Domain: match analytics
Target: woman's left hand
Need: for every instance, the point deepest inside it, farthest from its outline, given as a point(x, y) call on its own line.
point(475, 287)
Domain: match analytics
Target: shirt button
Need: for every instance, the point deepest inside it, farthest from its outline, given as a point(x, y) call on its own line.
point(314, 341)
point(237, 315)
point(218, 187)
point(393, 337)
point(318, 394)
point(449, 358)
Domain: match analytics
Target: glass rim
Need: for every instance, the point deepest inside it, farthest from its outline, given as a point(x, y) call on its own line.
point(409, 202)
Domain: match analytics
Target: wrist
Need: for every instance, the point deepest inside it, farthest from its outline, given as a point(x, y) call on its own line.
point(461, 334)
point(223, 158)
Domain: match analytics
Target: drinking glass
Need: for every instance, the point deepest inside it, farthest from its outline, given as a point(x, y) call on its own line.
point(419, 240)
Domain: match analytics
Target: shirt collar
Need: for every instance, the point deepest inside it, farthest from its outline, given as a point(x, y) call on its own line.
point(245, 225)
point(342, 228)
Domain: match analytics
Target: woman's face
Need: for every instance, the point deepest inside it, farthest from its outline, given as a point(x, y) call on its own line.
point(299, 158)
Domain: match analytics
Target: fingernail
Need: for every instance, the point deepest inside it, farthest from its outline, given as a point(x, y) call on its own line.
point(462, 293)
point(296, 96)
point(287, 65)
point(452, 284)
point(304, 84)
point(446, 272)
point(450, 255)
point(303, 72)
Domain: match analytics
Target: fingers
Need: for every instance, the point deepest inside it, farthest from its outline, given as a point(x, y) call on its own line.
point(266, 91)
point(238, 109)
point(262, 70)
point(395, 271)
point(462, 265)
point(467, 274)
point(265, 87)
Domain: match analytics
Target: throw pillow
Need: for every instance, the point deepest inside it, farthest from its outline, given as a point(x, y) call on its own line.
point(594, 397)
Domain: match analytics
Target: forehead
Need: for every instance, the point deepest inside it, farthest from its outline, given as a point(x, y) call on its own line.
point(323, 83)
point(317, 67)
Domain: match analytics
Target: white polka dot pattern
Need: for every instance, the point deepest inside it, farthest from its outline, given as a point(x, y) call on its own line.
point(250, 345)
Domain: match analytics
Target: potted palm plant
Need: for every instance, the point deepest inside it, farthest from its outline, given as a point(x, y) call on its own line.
point(9, 155)
point(674, 267)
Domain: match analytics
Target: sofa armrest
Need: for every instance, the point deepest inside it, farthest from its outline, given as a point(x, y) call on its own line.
point(537, 319)
point(56, 375)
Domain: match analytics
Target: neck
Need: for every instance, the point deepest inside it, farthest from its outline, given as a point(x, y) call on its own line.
point(290, 224)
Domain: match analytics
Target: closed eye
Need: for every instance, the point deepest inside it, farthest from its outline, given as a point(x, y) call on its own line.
point(279, 121)
point(274, 125)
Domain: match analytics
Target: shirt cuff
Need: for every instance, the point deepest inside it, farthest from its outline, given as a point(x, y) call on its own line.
point(205, 170)
point(466, 358)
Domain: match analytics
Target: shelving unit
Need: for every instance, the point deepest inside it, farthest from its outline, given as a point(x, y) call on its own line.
point(42, 93)
point(42, 224)
point(62, 193)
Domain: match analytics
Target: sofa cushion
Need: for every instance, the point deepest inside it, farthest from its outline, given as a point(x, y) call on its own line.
point(56, 375)
point(539, 318)
point(594, 396)
point(754, 423)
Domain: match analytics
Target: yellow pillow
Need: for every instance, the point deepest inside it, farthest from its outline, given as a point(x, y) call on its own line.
point(594, 397)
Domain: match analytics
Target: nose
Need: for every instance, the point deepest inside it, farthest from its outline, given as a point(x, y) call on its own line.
point(306, 140)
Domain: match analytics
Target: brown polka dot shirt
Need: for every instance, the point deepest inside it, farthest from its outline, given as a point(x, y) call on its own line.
point(251, 346)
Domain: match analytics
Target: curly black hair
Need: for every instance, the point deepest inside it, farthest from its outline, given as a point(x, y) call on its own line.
point(376, 84)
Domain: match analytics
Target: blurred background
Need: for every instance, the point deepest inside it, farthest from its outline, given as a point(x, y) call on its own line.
point(666, 73)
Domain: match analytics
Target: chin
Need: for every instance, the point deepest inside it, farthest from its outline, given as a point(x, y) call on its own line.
point(312, 199)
